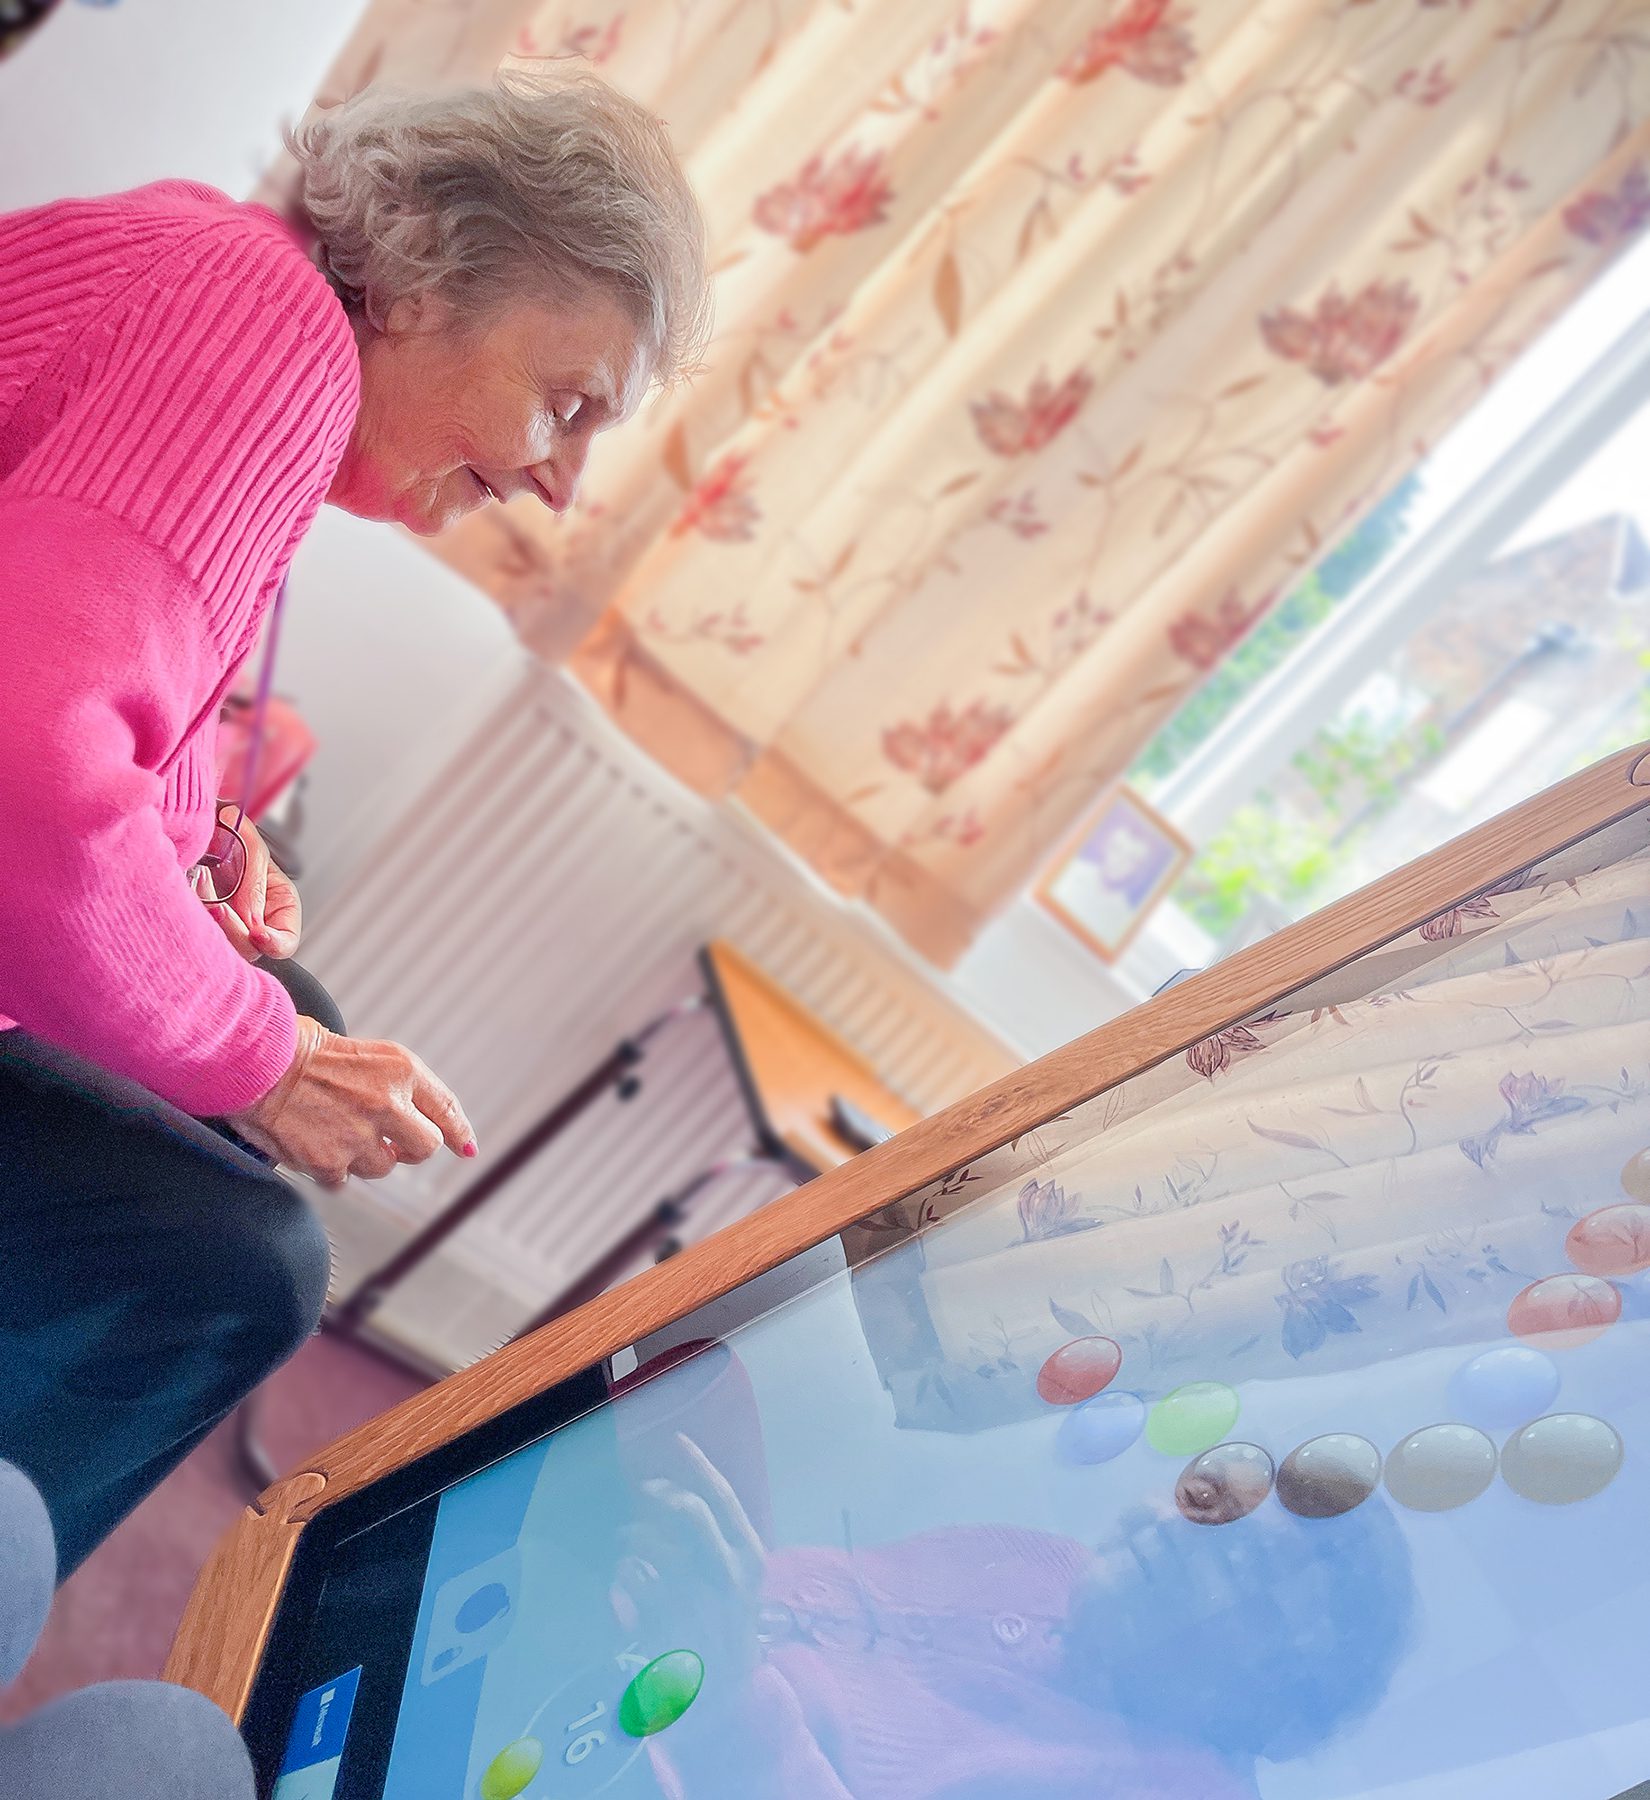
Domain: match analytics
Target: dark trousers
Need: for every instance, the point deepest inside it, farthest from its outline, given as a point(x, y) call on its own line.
point(152, 1273)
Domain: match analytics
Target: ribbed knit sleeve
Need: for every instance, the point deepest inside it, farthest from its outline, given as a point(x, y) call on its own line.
point(207, 397)
point(179, 438)
point(103, 947)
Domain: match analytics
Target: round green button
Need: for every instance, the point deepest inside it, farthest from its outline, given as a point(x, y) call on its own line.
point(1192, 1419)
point(659, 1694)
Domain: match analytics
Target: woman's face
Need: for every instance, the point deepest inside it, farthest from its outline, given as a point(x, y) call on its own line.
point(455, 414)
point(1263, 1635)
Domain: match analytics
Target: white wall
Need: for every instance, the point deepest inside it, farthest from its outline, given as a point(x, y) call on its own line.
point(107, 96)
point(391, 658)
point(1035, 984)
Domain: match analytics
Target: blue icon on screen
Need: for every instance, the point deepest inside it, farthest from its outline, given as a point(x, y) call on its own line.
point(483, 1606)
point(471, 1614)
point(315, 1745)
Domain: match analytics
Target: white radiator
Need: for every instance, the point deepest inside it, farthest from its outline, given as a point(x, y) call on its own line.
point(540, 900)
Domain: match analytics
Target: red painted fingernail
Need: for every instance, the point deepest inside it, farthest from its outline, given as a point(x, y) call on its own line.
point(472, 1149)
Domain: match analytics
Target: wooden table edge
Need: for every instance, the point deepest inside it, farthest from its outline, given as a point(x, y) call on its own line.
point(221, 1637)
point(226, 1622)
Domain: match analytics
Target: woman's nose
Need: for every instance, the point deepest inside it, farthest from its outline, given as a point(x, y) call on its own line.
point(560, 477)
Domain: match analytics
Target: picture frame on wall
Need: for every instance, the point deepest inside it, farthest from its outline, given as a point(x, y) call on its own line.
point(1111, 872)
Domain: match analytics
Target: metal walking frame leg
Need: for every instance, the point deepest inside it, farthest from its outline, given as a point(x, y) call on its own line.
point(617, 1073)
point(250, 1455)
point(655, 1235)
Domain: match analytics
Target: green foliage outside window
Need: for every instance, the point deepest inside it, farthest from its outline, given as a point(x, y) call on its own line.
point(1352, 771)
point(1357, 773)
point(1276, 637)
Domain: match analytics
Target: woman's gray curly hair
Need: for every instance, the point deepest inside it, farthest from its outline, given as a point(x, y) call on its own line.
point(537, 187)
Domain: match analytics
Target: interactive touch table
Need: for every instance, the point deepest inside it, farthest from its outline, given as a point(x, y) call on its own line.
point(1248, 1399)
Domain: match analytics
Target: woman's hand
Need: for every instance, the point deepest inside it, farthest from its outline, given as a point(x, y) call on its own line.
point(264, 915)
point(696, 1562)
point(694, 1578)
point(347, 1106)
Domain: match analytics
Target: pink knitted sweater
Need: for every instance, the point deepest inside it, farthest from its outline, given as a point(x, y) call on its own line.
point(951, 1694)
point(177, 386)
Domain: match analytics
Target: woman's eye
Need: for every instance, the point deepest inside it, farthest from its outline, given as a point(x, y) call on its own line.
point(564, 412)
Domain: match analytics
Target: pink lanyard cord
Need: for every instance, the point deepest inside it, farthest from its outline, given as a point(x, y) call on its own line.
point(266, 677)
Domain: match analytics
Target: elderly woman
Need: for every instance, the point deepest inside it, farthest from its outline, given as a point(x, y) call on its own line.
point(472, 287)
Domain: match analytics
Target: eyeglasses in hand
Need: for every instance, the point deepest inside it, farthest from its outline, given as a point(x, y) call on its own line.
point(217, 877)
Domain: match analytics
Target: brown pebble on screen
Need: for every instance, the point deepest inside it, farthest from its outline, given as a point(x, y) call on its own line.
point(1328, 1475)
point(1224, 1484)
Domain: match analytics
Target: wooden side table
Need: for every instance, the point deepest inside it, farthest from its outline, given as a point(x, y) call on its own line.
point(791, 1066)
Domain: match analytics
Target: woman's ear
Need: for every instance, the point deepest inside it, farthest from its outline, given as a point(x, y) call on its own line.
point(416, 315)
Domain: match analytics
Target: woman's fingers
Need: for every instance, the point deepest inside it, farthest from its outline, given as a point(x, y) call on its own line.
point(649, 1555)
point(233, 927)
point(700, 1530)
point(437, 1102)
point(412, 1137)
point(732, 1521)
point(282, 918)
point(352, 1106)
point(254, 888)
point(246, 904)
point(375, 1163)
point(263, 917)
point(677, 1567)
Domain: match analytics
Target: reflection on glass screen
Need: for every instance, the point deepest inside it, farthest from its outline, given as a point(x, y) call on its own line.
point(1273, 1426)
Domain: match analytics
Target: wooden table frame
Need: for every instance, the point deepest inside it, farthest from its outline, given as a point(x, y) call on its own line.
point(226, 1623)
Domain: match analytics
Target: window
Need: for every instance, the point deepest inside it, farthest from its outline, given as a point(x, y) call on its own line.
point(1484, 632)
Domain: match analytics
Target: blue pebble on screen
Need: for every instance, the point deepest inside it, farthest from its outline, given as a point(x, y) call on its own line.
point(1504, 1388)
point(1101, 1428)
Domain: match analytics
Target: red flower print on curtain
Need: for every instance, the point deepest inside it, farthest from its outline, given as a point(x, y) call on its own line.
point(1018, 513)
point(721, 507)
point(597, 44)
point(1203, 640)
point(1611, 218)
point(1148, 39)
point(1208, 1057)
point(1425, 87)
point(1015, 428)
point(826, 200)
point(1027, 317)
point(1340, 339)
point(948, 744)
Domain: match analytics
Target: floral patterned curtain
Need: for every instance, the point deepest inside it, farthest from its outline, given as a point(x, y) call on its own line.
point(1055, 338)
point(1412, 1161)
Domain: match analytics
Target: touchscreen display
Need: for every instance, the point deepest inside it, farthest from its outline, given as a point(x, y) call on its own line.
point(1275, 1426)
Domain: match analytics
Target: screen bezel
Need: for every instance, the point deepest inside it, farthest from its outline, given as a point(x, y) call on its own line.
point(279, 1681)
point(273, 1695)
point(278, 1684)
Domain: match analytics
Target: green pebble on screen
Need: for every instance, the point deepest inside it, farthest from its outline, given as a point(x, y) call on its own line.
point(511, 1770)
point(1192, 1419)
point(661, 1693)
